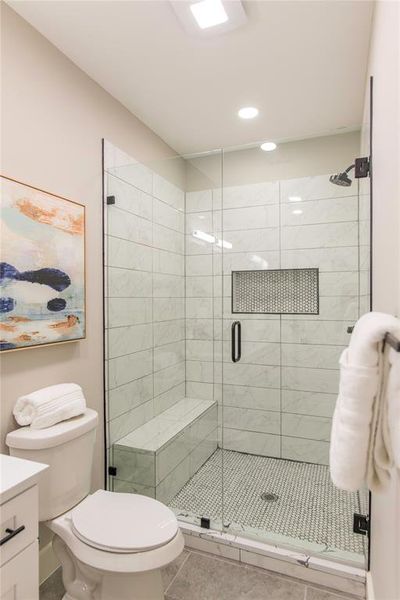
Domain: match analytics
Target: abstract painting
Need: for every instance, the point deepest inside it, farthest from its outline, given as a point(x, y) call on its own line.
point(42, 267)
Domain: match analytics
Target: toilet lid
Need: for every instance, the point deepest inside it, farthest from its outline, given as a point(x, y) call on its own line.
point(123, 522)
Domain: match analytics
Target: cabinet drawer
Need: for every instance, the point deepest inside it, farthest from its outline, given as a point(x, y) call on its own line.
point(21, 511)
point(19, 578)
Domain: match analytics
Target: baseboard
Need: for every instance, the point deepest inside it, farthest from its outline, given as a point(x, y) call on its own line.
point(48, 562)
point(370, 587)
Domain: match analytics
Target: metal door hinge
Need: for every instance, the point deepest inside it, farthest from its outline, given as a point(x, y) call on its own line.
point(360, 524)
point(110, 199)
point(362, 167)
point(112, 471)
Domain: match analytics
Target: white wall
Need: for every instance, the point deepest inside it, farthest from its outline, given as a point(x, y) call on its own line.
point(384, 66)
point(53, 120)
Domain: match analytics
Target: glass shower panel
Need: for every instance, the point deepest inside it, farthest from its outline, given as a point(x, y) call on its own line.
point(162, 418)
point(280, 375)
point(200, 500)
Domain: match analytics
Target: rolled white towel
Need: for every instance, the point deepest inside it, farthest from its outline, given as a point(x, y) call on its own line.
point(50, 405)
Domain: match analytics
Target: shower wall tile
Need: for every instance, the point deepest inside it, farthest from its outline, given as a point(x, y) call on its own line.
point(202, 221)
point(124, 283)
point(135, 174)
point(305, 426)
point(167, 399)
point(251, 195)
point(308, 403)
point(126, 397)
point(246, 419)
point(332, 210)
point(199, 201)
point(294, 448)
point(196, 389)
point(168, 355)
point(124, 424)
point(168, 331)
point(199, 350)
point(167, 239)
point(127, 368)
point(254, 217)
point(248, 261)
point(316, 356)
point(252, 375)
point(128, 255)
point(339, 283)
point(129, 339)
point(199, 265)
point(200, 371)
point(315, 332)
point(168, 192)
point(125, 225)
point(255, 353)
point(312, 188)
point(145, 311)
point(320, 236)
point(168, 378)
point(128, 311)
point(310, 380)
point(166, 215)
point(199, 286)
point(260, 399)
point(326, 259)
point(130, 198)
point(168, 286)
point(251, 442)
point(166, 310)
point(168, 262)
point(199, 329)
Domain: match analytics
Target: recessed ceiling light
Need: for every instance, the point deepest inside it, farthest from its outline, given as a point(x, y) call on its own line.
point(209, 13)
point(295, 198)
point(248, 112)
point(268, 146)
point(298, 211)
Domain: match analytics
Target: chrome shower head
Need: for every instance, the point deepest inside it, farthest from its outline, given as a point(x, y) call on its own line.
point(342, 178)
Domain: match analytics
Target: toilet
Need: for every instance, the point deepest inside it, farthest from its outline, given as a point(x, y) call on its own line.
point(111, 546)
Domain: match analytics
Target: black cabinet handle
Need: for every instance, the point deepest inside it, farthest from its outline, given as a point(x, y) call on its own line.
point(236, 354)
point(11, 533)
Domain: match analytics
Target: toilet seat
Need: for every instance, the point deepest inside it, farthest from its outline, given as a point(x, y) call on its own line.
point(123, 523)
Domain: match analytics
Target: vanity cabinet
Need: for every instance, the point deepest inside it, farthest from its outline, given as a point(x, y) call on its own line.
point(19, 523)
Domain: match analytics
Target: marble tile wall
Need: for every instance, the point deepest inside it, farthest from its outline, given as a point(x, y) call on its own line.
point(279, 399)
point(145, 297)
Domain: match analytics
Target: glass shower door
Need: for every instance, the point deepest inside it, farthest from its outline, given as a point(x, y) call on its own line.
point(290, 271)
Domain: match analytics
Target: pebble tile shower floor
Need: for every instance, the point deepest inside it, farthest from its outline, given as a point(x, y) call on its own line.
point(308, 507)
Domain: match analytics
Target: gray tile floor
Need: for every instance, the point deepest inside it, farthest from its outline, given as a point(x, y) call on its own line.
point(307, 505)
point(199, 576)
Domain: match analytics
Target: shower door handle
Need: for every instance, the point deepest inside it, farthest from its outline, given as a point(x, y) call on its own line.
point(236, 353)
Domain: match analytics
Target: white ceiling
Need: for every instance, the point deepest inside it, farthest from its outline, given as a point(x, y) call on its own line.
point(302, 63)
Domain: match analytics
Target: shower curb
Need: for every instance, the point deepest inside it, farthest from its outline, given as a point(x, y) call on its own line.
point(311, 569)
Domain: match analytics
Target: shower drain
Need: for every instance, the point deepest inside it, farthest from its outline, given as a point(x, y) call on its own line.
point(269, 497)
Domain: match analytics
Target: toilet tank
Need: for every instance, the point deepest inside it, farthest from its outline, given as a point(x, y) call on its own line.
point(68, 450)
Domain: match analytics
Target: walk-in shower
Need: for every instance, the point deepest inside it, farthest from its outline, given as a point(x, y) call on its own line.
point(231, 279)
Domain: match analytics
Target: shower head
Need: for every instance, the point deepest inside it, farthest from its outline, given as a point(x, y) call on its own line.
point(342, 178)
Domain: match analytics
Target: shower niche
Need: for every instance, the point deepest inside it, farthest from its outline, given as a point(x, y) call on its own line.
point(275, 291)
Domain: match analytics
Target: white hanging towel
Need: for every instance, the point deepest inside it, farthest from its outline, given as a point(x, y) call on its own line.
point(366, 421)
point(50, 405)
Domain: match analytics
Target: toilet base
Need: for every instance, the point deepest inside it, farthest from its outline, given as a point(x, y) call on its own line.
point(84, 582)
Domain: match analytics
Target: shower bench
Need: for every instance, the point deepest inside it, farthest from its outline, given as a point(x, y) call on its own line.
point(158, 458)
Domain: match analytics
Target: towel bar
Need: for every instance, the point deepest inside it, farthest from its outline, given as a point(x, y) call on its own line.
point(388, 339)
